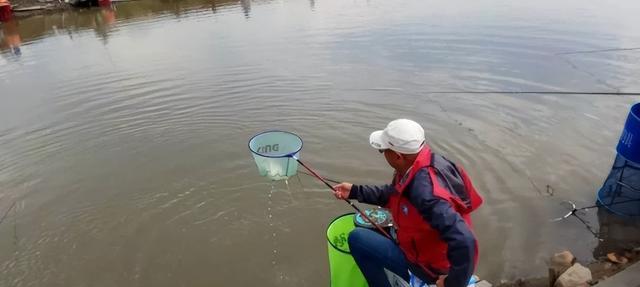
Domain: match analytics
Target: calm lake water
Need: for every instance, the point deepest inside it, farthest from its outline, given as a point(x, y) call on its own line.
point(123, 132)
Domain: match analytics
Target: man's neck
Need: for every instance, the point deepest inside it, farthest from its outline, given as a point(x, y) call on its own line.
point(401, 171)
point(408, 164)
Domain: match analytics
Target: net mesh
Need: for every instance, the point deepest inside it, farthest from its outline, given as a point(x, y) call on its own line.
point(273, 152)
point(620, 192)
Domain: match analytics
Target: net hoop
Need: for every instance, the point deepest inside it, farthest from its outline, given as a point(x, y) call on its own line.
point(291, 154)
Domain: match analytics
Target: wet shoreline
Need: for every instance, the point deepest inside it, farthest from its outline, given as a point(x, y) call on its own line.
point(601, 269)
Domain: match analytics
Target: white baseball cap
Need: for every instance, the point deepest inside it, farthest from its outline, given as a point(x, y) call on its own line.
point(402, 135)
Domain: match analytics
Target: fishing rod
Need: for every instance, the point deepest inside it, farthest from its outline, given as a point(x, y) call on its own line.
point(539, 92)
point(316, 175)
point(574, 209)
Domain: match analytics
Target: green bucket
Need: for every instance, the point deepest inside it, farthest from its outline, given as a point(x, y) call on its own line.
point(344, 270)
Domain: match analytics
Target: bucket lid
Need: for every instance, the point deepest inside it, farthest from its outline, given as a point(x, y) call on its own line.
point(380, 216)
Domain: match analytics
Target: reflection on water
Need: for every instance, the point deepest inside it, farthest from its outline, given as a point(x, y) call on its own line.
point(10, 38)
point(123, 131)
point(102, 19)
point(30, 29)
point(617, 233)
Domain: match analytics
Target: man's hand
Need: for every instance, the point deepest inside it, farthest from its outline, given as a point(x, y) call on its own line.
point(342, 190)
point(440, 282)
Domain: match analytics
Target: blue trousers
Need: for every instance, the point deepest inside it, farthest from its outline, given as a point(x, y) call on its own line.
point(373, 253)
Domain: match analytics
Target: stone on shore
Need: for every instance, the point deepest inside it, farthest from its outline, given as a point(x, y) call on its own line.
point(576, 276)
point(560, 262)
point(483, 283)
point(615, 258)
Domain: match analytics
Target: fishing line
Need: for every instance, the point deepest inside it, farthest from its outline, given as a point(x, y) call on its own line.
point(7, 212)
point(599, 51)
point(538, 92)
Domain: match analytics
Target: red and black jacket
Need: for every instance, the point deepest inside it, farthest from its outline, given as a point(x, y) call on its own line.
point(431, 206)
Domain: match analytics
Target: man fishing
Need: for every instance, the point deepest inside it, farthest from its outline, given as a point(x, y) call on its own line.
point(430, 199)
